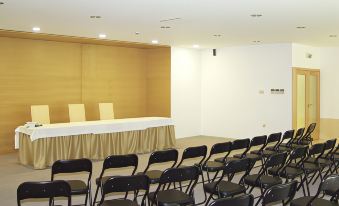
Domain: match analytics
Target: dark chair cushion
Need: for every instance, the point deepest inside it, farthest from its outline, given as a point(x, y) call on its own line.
point(289, 172)
point(228, 159)
point(213, 166)
point(225, 188)
point(265, 180)
point(311, 167)
point(77, 187)
point(302, 201)
point(153, 175)
point(253, 157)
point(170, 197)
point(119, 203)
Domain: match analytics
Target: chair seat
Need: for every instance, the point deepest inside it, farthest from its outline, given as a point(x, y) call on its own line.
point(253, 157)
point(311, 167)
point(267, 153)
point(321, 161)
point(228, 159)
point(265, 180)
point(170, 197)
point(225, 188)
point(213, 166)
point(289, 172)
point(302, 201)
point(270, 148)
point(126, 202)
point(153, 175)
point(103, 179)
point(77, 187)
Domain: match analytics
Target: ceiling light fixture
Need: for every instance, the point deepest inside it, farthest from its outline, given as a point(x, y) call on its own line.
point(36, 29)
point(217, 35)
point(333, 35)
point(301, 27)
point(196, 46)
point(165, 27)
point(172, 19)
point(256, 15)
point(102, 36)
point(256, 41)
point(155, 41)
point(137, 33)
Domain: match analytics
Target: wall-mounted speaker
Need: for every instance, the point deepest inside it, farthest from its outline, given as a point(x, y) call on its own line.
point(214, 52)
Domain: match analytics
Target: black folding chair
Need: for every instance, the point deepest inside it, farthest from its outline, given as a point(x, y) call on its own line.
point(244, 200)
point(51, 190)
point(78, 187)
point(299, 134)
point(258, 141)
point(167, 194)
point(263, 181)
point(293, 168)
point(282, 192)
point(160, 157)
point(193, 152)
point(329, 186)
point(272, 139)
point(213, 166)
point(125, 184)
point(115, 161)
point(307, 138)
point(239, 144)
point(222, 188)
point(286, 141)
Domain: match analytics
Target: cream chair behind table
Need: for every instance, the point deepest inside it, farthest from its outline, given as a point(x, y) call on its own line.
point(76, 112)
point(106, 111)
point(40, 114)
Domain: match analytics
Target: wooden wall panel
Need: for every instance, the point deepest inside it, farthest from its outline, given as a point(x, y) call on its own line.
point(159, 82)
point(114, 74)
point(36, 72)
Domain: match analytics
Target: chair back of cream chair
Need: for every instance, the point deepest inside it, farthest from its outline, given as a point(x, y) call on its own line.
point(106, 111)
point(40, 114)
point(76, 112)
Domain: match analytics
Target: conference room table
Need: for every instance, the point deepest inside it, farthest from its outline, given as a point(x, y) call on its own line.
point(41, 146)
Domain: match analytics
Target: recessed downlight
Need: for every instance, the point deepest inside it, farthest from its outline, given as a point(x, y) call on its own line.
point(155, 41)
point(102, 36)
point(36, 29)
point(333, 36)
point(196, 46)
point(301, 27)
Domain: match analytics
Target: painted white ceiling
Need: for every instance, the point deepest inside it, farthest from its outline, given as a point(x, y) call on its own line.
point(200, 20)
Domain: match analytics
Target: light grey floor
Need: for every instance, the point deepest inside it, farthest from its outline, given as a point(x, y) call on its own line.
point(12, 173)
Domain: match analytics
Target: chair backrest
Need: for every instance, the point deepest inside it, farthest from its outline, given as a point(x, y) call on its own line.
point(28, 190)
point(310, 130)
point(76, 112)
point(240, 144)
point(40, 114)
point(276, 160)
point(106, 111)
point(258, 141)
point(179, 175)
point(244, 200)
point(120, 161)
point(274, 138)
point(219, 148)
point(236, 166)
point(281, 192)
point(288, 135)
point(133, 183)
point(194, 152)
point(329, 146)
point(72, 166)
point(298, 153)
point(330, 183)
point(299, 133)
point(316, 150)
point(170, 155)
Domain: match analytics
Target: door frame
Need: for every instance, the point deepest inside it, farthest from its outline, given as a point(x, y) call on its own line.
point(306, 71)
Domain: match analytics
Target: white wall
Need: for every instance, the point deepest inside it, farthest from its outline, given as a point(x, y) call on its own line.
point(231, 103)
point(186, 91)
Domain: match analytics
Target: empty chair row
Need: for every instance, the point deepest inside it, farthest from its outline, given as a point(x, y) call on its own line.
point(40, 113)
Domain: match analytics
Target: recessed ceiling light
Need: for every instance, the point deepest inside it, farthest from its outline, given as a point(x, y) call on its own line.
point(102, 36)
point(95, 17)
point(155, 41)
point(36, 29)
point(256, 15)
point(301, 27)
point(217, 35)
point(196, 46)
point(165, 27)
point(333, 35)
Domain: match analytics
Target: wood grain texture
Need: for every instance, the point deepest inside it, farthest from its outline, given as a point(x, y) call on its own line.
point(159, 82)
point(58, 73)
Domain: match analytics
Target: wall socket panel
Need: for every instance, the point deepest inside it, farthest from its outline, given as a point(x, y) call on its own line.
point(277, 91)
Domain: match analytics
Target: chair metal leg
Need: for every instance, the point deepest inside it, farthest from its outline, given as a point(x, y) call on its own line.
point(96, 194)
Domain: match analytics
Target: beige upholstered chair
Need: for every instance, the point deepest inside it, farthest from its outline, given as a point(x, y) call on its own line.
point(106, 111)
point(76, 112)
point(40, 114)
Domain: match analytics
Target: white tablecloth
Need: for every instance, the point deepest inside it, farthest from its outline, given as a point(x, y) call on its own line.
point(91, 127)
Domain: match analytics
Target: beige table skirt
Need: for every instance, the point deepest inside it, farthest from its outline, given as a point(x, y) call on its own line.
point(43, 152)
